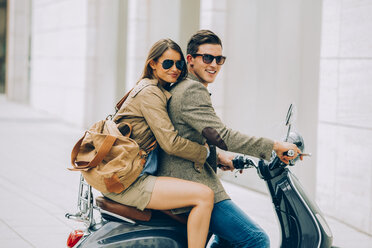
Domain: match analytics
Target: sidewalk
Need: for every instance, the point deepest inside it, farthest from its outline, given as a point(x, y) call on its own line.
point(36, 189)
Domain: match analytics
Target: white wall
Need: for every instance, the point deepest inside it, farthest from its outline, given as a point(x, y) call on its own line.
point(74, 58)
point(148, 22)
point(58, 58)
point(272, 51)
point(345, 113)
point(102, 60)
point(86, 53)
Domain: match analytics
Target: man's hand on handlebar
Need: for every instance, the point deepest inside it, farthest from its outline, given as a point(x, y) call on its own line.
point(281, 149)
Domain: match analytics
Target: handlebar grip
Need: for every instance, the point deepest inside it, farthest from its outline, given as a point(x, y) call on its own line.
point(238, 162)
point(289, 153)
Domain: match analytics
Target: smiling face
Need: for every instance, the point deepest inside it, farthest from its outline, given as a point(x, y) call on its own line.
point(206, 73)
point(166, 75)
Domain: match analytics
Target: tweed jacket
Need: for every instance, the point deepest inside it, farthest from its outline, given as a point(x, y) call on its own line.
point(191, 111)
point(145, 110)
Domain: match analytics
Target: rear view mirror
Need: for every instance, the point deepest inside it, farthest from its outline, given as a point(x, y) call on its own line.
point(288, 120)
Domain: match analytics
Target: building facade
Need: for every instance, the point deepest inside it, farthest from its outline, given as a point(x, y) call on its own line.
point(75, 58)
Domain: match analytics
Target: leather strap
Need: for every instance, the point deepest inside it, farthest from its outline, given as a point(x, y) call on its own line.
point(125, 129)
point(122, 100)
point(102, 152)
point(151, 147)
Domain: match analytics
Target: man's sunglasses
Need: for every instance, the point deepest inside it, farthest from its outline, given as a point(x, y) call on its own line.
point(207, 58)
point(168, 63)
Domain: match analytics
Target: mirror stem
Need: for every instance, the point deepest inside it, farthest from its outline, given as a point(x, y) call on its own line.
point(289, 130)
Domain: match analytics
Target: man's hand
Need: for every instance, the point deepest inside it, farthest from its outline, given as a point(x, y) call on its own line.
point(282, 147)
point(225, 160)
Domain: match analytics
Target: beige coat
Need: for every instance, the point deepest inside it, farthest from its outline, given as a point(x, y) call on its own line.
point(146, 110)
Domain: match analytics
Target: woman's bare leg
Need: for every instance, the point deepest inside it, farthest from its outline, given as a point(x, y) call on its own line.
point(170, 193)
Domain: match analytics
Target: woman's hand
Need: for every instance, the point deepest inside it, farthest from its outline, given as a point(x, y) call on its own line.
point(225, 160)
point(208, 150)
point(281, 147)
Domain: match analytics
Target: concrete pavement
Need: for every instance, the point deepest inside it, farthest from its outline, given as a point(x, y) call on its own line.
point(36, 189)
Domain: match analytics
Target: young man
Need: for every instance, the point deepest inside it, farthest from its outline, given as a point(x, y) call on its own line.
point(192, 114)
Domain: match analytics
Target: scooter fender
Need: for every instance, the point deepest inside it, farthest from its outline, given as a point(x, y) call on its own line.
point(122, 234)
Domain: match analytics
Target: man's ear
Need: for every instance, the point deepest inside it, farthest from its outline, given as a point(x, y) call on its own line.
point(152, 64)
point(190, 60)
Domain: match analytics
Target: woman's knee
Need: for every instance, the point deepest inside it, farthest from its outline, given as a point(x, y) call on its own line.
point(206, 195)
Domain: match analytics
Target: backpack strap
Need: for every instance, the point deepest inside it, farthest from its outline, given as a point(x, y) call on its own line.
point(140, 86)
point(122, 100)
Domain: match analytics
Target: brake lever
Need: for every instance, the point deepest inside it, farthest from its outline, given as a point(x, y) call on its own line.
point(238, 171)
point(291, 153)
point(291, 162)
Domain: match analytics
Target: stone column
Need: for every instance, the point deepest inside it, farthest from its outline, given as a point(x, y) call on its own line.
point(213, 16)
point(18, 50)
point(101, 59)
point(137, 42)
point(189, 21)
point(148, 22)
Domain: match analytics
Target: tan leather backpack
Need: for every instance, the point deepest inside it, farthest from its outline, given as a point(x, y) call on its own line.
point(108, 158)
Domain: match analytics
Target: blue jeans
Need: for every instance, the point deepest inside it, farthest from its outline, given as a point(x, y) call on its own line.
point(233, 228)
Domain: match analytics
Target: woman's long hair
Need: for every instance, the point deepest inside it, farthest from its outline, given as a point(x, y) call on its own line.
point(156, 52)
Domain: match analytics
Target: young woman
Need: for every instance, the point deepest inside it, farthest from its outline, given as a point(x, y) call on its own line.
point(146, 110)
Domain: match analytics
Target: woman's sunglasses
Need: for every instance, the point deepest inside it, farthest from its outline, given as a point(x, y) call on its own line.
point(207, 58)
point(168, 63)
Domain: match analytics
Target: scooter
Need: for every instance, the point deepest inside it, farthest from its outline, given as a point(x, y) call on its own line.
point(302, 224)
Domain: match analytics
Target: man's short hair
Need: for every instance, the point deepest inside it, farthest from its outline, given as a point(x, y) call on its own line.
point(202, 37)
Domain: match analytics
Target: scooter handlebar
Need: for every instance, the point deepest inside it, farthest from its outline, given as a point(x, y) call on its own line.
point(289, 153)
point(241, 162)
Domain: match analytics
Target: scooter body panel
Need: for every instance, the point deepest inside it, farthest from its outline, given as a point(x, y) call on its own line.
point(122, 234)
point(302, 224)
